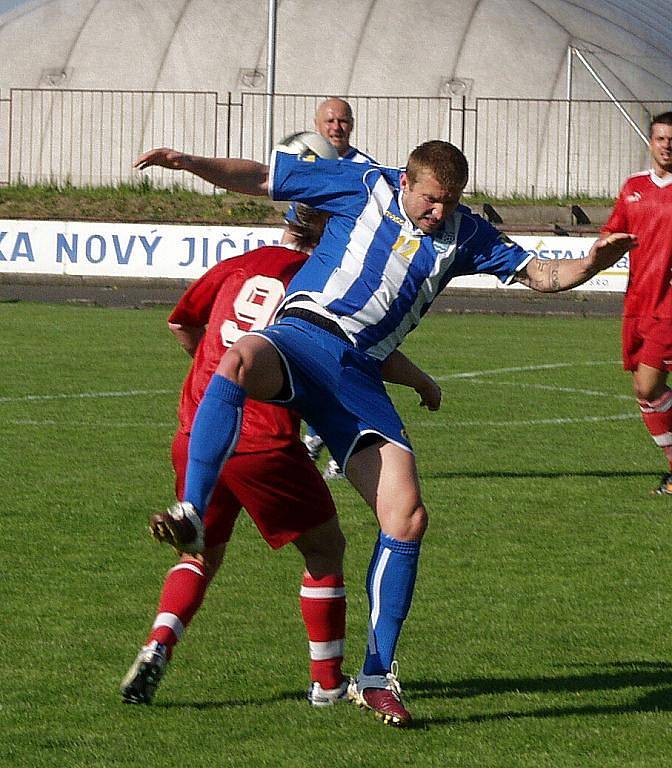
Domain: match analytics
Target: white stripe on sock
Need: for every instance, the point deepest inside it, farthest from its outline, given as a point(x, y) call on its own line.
point(663, 440)
point(329, 649)
point(375, 587)
point(171, 621)
point(188, 567)
point(322, 593)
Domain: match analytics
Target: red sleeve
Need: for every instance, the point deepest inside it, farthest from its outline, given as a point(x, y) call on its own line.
point(195, 306)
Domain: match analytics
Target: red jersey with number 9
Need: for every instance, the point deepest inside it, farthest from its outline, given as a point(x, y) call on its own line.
point(236, 296)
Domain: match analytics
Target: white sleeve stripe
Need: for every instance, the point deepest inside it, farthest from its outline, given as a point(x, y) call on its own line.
point(322, 593)
point(188, 567)
point(171, 621)
point(271, 174)
point(330, 649)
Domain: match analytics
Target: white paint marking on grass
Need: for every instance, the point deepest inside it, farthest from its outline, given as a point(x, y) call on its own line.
point(529, 422)
point(522, 368)
point(90, 424)
point(552, 388)
point(87, 395)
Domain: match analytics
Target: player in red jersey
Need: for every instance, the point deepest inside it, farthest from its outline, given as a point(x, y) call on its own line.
point(270, 473)
point(644, 208)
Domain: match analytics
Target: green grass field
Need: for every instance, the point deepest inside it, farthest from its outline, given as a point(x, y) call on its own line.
point(540, 632)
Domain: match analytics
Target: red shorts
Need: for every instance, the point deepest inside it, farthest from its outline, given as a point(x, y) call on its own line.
point(647, 340)
point(281, 490)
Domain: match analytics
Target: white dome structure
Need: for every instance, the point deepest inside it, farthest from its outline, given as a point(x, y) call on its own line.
point(440, 50)
point(497, 48)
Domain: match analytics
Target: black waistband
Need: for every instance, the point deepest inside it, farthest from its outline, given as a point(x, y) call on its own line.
point(321, 322)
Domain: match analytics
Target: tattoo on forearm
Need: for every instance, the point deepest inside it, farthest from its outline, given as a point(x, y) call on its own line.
point(542, 275)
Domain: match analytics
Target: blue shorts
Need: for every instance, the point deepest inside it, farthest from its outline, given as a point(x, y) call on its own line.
point(338, 390)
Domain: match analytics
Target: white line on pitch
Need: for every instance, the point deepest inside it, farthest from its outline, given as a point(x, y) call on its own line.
point(93, 424)
point(87, 395)
point(521, 368)
point(551, 388)
point(528, 422)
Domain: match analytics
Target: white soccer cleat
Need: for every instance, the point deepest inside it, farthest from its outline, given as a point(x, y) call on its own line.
point(326, 697)
point(140, 682)
point(333, 471)
point(180, 526)
point(314, 445)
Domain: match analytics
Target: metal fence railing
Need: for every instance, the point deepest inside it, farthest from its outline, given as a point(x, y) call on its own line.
point(525, 147)
point(90, 138)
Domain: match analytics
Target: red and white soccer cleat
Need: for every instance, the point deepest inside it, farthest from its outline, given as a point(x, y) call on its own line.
point(384, 700)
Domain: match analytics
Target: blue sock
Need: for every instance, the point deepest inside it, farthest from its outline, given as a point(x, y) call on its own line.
point(389, 583)
point(214, 435)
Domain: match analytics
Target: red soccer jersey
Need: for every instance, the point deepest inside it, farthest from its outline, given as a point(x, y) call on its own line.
point(644, 208)
point(236, 296)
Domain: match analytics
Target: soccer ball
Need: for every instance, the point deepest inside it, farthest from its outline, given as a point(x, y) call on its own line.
point(307, 143)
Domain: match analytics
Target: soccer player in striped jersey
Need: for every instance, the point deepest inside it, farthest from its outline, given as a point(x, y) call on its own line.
point(394, 239)
point(644, 206)
point(270, 473)
point(334, 121)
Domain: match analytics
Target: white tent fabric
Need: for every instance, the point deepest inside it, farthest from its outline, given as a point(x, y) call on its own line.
point(493, 48)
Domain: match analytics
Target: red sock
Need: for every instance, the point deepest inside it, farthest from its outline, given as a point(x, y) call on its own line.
point(323, 611)
point(181, 596)
point(657, 415)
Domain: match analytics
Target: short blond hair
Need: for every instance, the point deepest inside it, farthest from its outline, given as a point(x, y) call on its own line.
point(443, 160)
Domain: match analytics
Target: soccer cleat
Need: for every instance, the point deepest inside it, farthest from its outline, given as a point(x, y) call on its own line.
point(333, 471)
point(314, 445)
point(326, 697)
point(382, 695)
point(180, 526)
point(665, 487)
point(140, 682)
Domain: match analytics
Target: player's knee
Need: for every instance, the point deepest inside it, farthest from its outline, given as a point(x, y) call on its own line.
point(419, 522)
point(406, 524)
point(648, 390)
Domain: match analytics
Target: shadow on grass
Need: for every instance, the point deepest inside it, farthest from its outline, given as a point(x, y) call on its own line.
point(654, 676)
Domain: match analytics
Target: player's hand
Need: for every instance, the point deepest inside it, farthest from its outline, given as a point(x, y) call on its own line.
point(164, 157)
point(608, 250)
point(430, 394)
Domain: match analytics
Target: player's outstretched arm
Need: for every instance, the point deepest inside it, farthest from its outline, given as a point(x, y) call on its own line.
point(550, 276)
point(246, 176)
point(398, 369)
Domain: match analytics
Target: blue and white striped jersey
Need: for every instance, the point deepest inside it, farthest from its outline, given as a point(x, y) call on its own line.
point(373, 272)
point(354, 155)
point(357, 156)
